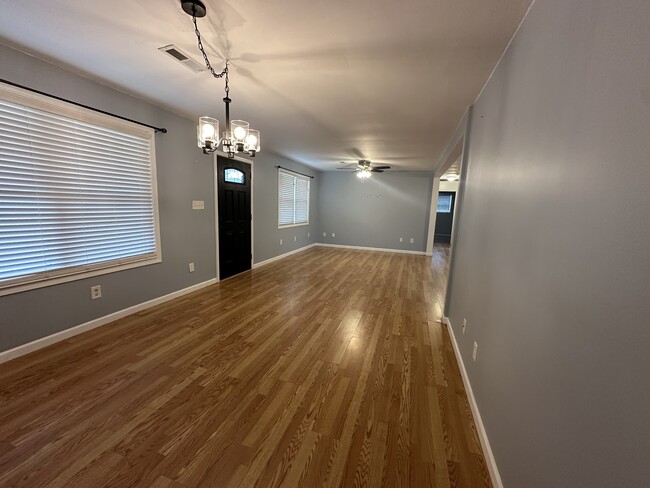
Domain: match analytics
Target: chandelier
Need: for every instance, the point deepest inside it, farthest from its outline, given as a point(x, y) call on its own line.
point(238, 136)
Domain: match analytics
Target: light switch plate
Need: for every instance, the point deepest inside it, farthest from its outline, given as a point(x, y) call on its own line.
point(198, 205)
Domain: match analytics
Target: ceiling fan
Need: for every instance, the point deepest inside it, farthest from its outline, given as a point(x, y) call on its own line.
point(364, 167)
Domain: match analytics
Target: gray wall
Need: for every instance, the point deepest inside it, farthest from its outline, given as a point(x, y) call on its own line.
point(375, 212)
point(267, 234)
point(184, 174)
point(552, 267)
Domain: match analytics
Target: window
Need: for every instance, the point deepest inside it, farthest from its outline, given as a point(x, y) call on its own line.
point(232, 175)
point(444, 204)
point(77, 193)
point(293, 199)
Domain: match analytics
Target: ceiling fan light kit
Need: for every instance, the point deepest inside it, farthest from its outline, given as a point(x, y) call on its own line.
point(238, 136)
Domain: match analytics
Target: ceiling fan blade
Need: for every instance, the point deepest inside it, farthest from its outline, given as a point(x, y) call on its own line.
point(382, 167)
point(347, 165)
point(375, 170)
point(348, 169)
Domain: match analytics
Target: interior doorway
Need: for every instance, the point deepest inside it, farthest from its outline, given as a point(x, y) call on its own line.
point(444, 217)
point(234, 216)
point(450, 176)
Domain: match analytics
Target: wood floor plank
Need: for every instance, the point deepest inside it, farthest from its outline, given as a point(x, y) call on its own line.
point(329, 368)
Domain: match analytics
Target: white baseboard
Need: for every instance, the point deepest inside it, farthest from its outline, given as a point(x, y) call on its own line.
point(382, 249)
point(98, 322)
point(280, 256)
point(482, 434)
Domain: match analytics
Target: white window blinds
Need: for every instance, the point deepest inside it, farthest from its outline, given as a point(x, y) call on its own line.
point(293, 199)
point(75, 196)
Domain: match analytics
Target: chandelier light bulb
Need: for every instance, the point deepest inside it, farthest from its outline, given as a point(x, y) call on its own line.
point(207, 131)
point(239, 129)
point(251, 140)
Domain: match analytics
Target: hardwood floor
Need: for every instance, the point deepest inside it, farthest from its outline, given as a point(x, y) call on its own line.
point(327, 368)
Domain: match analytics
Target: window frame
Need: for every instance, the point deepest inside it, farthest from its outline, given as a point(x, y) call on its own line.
point(64, 109)
point(296, 176)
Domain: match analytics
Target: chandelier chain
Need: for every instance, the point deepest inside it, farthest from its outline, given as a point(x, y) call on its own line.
point(226, 73)
point(205, 56)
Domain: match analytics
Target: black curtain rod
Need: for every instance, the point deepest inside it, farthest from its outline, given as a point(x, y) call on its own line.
point(157, 129)
point(297, 172)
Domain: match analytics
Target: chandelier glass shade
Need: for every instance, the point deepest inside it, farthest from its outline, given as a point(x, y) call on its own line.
point(207, 132)
point(253, 141)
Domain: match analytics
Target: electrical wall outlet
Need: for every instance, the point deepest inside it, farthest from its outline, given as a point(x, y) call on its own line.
point(333, 234)
point(412, 240)
point(308, 234)
point(324, 234)
point(401, 239)
point(464, 325)
point(191, 266)
point(474, 351)
point(295, 238)
point(96, 292)
point(280, 241)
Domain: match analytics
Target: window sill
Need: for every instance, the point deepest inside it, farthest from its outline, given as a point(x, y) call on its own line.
point(41, 283)
point(292, 225)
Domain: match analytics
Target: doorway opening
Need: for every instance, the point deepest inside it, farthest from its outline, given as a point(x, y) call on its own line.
point(449, 179)
point(444, 217)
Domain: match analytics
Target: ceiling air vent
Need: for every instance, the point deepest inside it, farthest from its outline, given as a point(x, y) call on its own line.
point(183, 58)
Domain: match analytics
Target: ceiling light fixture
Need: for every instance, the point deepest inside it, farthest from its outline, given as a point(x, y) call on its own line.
point(450, 177)
point(364, 168)
point(238, 136)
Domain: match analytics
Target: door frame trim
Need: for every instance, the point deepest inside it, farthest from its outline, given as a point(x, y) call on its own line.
point(215, 175)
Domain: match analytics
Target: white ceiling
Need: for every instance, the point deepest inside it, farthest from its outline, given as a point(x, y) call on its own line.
point(386, 80)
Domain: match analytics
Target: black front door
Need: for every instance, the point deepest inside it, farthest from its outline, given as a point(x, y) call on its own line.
point(234, 190)
point(444, 216)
